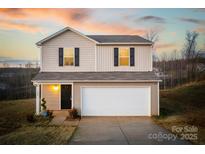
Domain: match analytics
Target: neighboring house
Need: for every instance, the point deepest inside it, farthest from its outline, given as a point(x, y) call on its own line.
point(160, 74)
point(201, 54)
point(99, 75)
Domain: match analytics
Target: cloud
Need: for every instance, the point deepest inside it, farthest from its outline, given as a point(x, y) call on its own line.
point(77, 18)
point(199, 9)
point(14, 13)
point(173, 34)
point(200, 30)
point(152, 19)
point(165, 45)
point(110, 28)
point(60, 14)
point(7, 25)
point(71, 16)
point(192, 20)
point(199, 24)
point(10, 17)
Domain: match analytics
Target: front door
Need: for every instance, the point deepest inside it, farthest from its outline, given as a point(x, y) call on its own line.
point(66, 97)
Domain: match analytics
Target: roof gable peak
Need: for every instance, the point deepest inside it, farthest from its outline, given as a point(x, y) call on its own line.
point(39, 43)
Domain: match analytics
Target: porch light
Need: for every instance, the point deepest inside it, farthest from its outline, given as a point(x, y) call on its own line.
point(55, 87)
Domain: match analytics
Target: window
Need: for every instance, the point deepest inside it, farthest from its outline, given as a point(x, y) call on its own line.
point(68, 56)
point(124, 56)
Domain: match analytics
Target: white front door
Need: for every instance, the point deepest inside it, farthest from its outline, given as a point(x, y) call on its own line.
point(116, 101)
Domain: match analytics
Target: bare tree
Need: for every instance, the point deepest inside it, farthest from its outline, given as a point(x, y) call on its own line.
point(164, 59)
point(5, 65)
point(190, 54)
point(190, 45)
point(177, 68)
point(152, 36)
point(28, 65)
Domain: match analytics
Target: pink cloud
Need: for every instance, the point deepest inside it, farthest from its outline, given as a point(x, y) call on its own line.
point(97, 27)
point(7, 25)
point(165, 45)
point(173, 33)
point(200, 30)
point(76, 18)
point(11, 17)
point(13, 13)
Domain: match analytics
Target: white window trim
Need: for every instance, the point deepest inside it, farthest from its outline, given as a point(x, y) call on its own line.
point(73, 56)
point(124, 56)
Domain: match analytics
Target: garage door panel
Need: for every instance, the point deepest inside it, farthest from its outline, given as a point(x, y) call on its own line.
point(104, 101)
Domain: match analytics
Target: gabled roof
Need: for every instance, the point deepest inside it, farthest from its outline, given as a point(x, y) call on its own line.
point(95, 76)
point(39, 43)
point(119, 39)
point(101, 39)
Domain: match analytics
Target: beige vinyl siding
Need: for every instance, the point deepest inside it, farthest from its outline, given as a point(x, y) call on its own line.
point(50, 57)
point(51, 96)
point(154, 92)
point(105, 59)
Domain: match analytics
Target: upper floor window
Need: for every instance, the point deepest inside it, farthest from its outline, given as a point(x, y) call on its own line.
point(68, 56)
point(124, 56)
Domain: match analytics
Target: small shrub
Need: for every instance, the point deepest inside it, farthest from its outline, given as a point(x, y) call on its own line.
point(164, 112)
point(43, 104)
point(30, 118)
point(50, 114)
point(74, 114)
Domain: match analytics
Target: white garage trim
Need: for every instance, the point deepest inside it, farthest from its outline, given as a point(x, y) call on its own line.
point(149, 95)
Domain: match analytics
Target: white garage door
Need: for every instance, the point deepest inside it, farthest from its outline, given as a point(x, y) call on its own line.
point(104, 101)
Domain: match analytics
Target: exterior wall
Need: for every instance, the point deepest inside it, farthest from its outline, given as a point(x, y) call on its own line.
point(51, 96)
point(92, 58)
point(105, 59)
point(50, 57)
point(154, 93)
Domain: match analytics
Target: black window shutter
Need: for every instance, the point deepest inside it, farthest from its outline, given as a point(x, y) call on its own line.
point(77, 56)
point(132, 56)
point(115, 56)
point(60, 56)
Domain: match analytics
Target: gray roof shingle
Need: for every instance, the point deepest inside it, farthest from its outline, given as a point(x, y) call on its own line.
point(118, 39)
point(101, 38)
point(95, 76)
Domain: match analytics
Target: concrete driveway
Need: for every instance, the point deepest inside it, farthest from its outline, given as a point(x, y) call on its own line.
point(122, 130)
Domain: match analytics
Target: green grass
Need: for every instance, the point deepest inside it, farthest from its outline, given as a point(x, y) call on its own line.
point(15, 129)
point(184, 106)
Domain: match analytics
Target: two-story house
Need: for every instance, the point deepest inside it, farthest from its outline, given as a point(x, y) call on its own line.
point(99, 75)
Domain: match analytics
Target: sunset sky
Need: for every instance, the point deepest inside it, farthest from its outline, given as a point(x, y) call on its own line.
point(20, 29)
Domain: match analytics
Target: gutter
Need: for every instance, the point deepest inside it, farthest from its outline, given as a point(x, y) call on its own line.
point(104, 81)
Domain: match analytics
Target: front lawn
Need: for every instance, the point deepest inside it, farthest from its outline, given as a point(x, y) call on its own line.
point(39, 135)
point(15, 129)
point(184, 106)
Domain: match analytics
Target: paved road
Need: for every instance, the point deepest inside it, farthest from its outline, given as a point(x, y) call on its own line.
point(121, 130)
